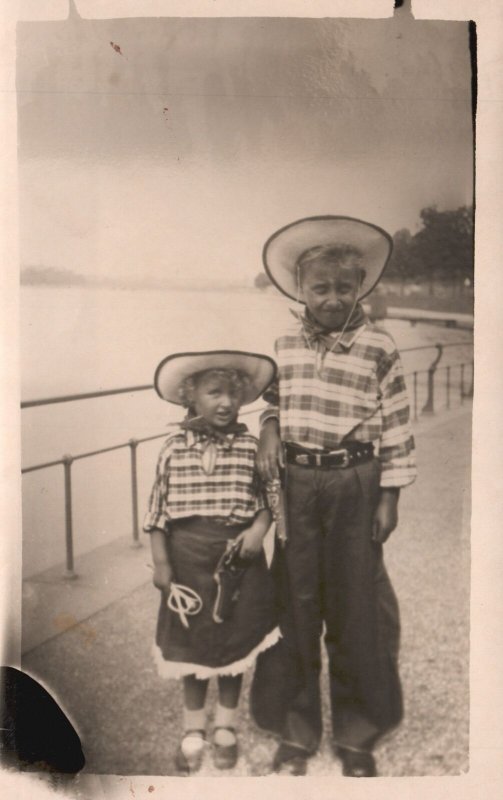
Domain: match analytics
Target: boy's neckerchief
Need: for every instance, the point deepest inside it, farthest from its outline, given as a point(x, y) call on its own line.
point(321, 339)
point(317, 333)
point(211, 436)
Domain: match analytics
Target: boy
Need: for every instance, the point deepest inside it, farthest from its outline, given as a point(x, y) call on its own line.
point(339, 428)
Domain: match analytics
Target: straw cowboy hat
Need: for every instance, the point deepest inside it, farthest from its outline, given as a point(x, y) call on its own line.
point(173, 370)
point(283, 248)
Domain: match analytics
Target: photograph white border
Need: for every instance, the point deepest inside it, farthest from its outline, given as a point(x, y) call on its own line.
point(485, 777)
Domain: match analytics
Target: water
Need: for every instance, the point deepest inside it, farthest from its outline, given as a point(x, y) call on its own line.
point(86, 339)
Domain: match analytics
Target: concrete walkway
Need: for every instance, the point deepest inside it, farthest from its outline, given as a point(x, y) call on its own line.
point(89, 640)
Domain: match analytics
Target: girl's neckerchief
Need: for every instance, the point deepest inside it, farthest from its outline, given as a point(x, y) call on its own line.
point(211, 437)
point(322, 340)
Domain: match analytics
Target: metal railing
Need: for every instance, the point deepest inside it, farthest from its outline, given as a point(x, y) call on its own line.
point(68, 460)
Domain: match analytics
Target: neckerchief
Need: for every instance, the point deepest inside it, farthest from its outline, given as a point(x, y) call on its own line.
point(323, 340)
point(211, 437)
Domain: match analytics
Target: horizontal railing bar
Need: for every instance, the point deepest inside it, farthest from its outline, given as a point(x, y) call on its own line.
point(67, 398)
point(151, 438)
point(93, 453)
point(440, 368)
point(99, 452)
point(432, 346)
point(42, 466)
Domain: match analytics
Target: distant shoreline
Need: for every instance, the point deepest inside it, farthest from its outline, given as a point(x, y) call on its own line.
point(33, 284)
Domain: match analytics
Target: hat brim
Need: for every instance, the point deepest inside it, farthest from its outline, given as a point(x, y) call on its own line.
point(173, 370)
point(283, 248)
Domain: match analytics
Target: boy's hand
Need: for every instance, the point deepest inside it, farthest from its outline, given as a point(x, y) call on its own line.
point(251, 542)
point(270, 451)
point(162, 577)
point(386, 515)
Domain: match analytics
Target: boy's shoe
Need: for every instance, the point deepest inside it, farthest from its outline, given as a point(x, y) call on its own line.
point(225, 756)
point(189, 756)
point(290, 759)
point(357, 763)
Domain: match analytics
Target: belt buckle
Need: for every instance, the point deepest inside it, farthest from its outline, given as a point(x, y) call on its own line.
point(302, 459)
point(345, 457)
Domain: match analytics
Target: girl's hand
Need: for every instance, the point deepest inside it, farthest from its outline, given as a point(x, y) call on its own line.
point(270, 451)
point(386, 515)
point(251, 542)
point(162, 576)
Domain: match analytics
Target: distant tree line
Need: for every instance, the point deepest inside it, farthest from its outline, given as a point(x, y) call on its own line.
point(440, 252)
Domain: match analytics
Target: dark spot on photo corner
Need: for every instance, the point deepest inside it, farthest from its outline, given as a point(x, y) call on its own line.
point(35, 732)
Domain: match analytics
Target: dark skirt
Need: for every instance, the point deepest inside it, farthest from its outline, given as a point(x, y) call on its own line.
point(207, 647)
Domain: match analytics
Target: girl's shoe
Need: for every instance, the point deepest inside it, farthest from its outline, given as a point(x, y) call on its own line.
point(189, 755)
point(225, 756)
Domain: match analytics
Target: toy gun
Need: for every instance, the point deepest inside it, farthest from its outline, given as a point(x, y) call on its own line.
point(276, 499)
point(228, 576)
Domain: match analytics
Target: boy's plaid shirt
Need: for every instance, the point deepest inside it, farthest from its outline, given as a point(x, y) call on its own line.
point(359, 395)
point(182, 488)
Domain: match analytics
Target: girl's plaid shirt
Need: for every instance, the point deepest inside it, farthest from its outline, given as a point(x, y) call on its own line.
point(359, 394)
point(182, 488)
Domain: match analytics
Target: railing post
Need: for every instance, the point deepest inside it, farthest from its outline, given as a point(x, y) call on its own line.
point(67, 466)
point(415, 396)
point(133, 445)
point(448, 386)
point(469, 392)
point(429, 406)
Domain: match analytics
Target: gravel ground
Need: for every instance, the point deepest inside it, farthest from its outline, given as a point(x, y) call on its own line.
point(128, 718)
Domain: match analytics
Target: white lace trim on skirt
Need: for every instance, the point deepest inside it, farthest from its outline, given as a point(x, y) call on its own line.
point(177, 669)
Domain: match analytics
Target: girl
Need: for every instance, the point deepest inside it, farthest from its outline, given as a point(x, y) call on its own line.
point(207, 519)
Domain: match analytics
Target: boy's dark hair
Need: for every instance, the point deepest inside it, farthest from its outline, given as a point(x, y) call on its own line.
point(238, 381)
point(336, 254)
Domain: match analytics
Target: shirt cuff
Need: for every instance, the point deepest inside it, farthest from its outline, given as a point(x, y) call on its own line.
point(397, 478)
point(155, 522)
point(269, 413)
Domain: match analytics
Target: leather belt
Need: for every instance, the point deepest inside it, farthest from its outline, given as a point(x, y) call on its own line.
point(348, 456)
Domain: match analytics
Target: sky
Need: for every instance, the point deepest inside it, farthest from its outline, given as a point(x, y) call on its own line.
point(178, 154)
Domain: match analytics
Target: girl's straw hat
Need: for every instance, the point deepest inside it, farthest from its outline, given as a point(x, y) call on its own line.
point(284, 247)
point(170, 373)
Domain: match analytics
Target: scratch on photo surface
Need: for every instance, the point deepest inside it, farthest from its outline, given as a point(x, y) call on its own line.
point(117, 49)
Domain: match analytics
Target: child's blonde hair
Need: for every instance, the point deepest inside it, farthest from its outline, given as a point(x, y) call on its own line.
point(237, 380)
point(339, 255)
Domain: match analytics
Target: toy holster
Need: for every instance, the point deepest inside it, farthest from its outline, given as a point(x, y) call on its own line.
point(228, 576)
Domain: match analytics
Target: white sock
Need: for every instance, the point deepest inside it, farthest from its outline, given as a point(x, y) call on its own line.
point(194, 720)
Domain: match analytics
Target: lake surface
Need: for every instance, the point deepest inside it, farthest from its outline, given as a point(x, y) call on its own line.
point(87, 339)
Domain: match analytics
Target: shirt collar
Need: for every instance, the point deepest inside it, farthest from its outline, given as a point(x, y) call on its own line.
point(348, 338)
